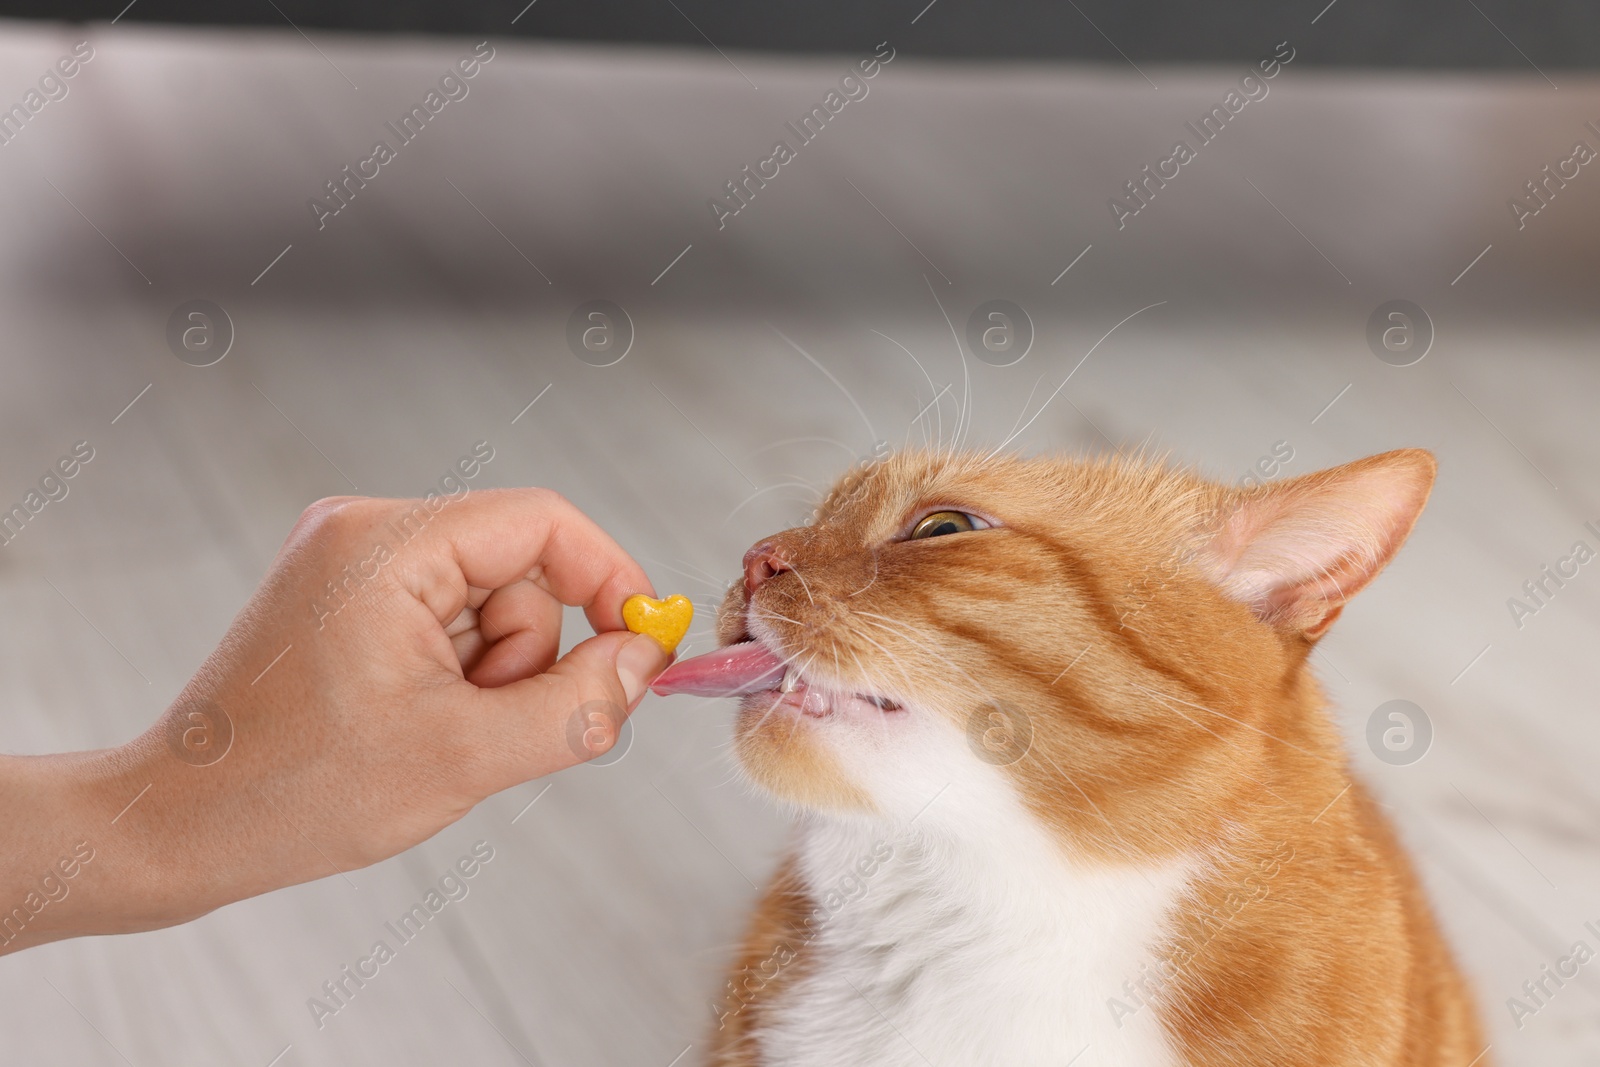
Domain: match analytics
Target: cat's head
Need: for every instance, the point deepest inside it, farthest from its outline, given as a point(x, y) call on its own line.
point(1113, 638)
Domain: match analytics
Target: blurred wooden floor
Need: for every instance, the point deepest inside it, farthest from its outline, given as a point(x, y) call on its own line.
point(433, 309)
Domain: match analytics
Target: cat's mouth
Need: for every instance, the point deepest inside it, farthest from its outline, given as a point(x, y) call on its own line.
point(748, 667)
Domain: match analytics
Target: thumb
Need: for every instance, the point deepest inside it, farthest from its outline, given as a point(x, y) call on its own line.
point(574, 711)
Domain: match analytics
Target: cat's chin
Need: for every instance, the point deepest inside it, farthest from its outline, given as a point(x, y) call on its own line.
point(789, 745)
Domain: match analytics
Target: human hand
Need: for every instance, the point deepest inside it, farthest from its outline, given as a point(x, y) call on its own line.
point(397, 665)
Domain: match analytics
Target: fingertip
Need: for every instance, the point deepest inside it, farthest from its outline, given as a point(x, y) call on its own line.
point(628, 582)
point(638, 661)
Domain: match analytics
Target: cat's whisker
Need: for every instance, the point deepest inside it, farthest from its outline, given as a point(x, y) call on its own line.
point(882, 721)
point(900, 630)
point(768, 613)
point(871, 581)
point(918, 421)
point(926, 376)
point(785, 663)
point(963, 417)
point(707, 575)
point(765, 715)
point(1025, 404)
point(768, 713)
point(720, 756)
point(803, 583)
point(968, 693)
point(1220, 715)
point(762, 492)
point(718, 586)
point(826, 373)
point(975, 692)
point(894, 661)
point(794, 728)
point(895, 631)
point(937, 394)
point(957, 690)
point(998, 448)
point(821, 493)
point(805, 440)
point(938, 434)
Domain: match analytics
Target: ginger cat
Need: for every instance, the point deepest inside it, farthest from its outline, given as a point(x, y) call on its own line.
point(1067, 790)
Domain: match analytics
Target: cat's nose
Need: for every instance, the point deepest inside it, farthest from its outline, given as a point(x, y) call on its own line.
point(764, 560)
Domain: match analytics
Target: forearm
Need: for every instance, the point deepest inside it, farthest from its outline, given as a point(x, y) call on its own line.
point(74, 865)
point(152, 837)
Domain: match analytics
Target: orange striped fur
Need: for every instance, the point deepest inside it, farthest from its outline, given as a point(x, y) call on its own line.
point(1143, 635)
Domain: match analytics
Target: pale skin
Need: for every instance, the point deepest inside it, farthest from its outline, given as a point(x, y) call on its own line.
point(434, 685)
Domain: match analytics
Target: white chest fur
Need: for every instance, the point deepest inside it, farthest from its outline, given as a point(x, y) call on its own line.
point(962, 948)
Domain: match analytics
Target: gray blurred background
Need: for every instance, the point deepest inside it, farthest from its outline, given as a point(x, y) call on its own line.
point(1226, 322)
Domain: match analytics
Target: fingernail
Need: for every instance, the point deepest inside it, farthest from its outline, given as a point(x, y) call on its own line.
point(638, 661)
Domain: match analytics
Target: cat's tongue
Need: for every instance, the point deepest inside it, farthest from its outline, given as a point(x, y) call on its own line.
point(742, 668)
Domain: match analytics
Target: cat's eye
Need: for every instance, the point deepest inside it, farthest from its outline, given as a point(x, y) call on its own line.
point(940, 523)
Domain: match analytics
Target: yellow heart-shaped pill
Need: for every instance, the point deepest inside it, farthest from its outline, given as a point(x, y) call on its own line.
point(665, 620)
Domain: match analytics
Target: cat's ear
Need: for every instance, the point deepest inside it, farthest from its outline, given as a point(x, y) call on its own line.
point(1298, 549)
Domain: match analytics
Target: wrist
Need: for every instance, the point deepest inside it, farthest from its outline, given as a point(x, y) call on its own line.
point(57, 850)
point(80, 859)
